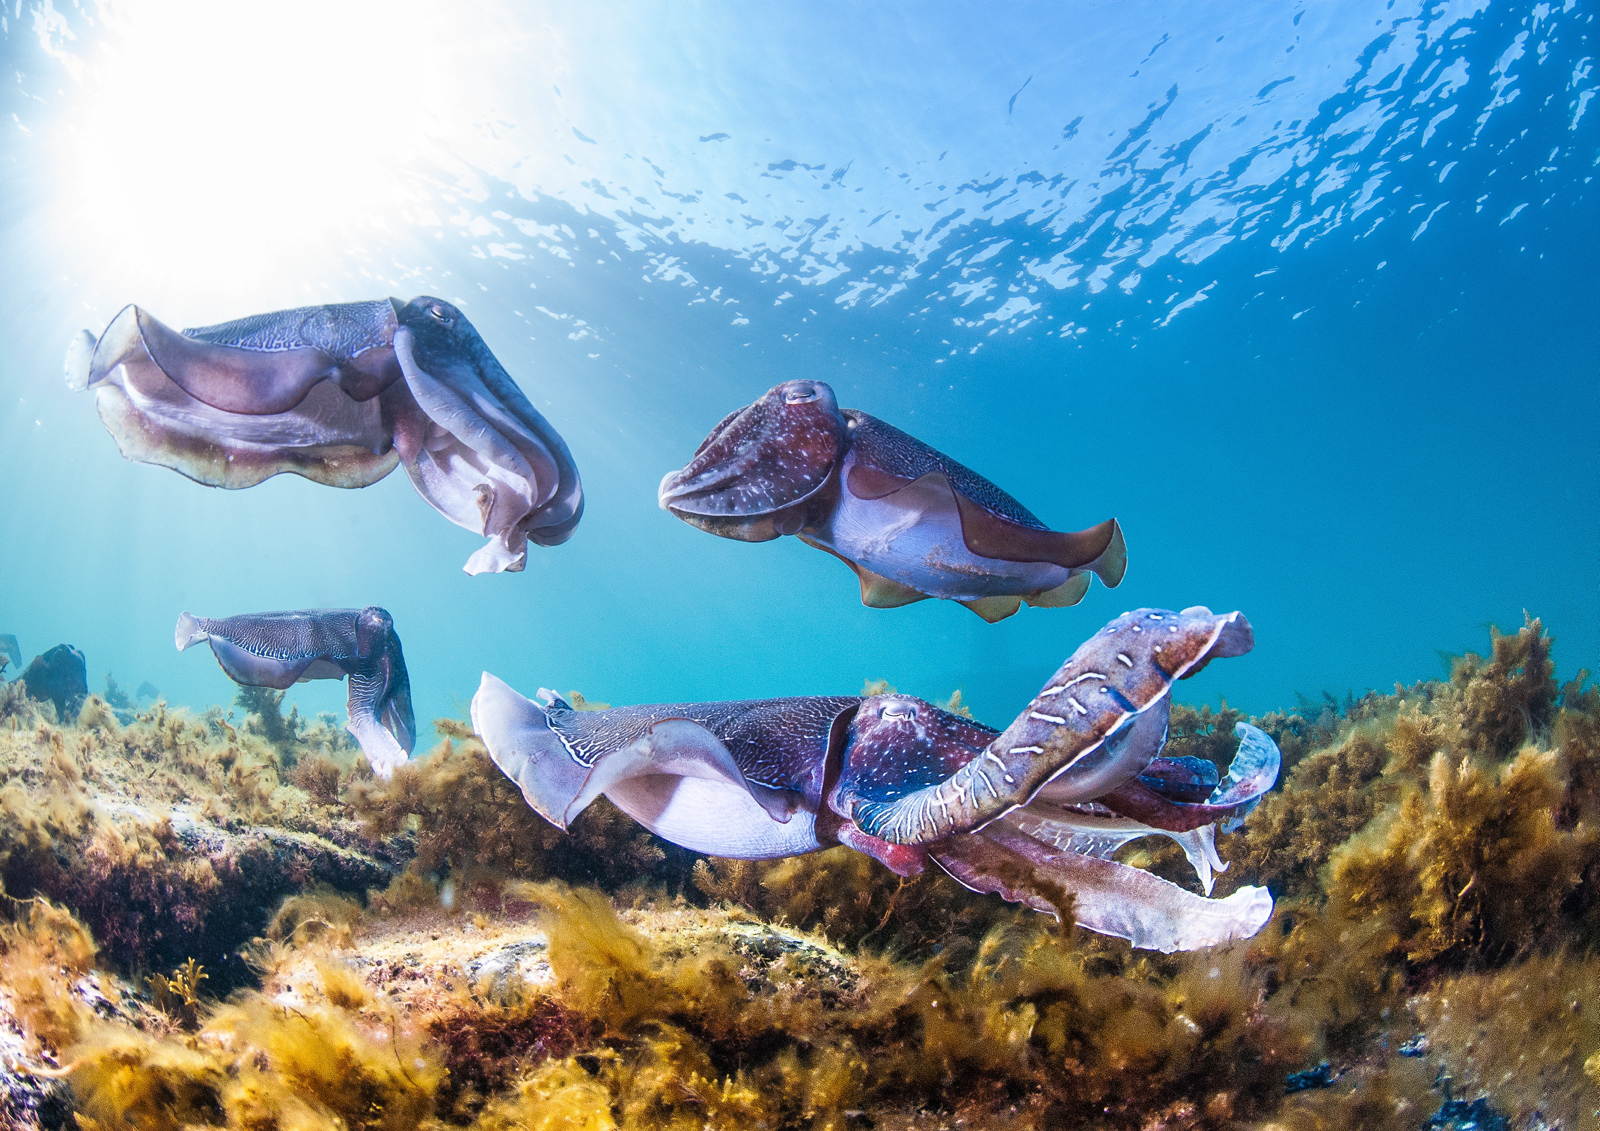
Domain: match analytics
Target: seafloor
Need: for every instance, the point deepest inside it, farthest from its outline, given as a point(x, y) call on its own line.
point(224, 920)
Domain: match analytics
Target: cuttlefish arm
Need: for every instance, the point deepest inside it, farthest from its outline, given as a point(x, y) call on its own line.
point(1108, 898)
point(761, 471)
point(279, 650)
point(1082, 735)
point(1253, 771)
point(729, 779)
point(231, 405)
point(1016, 815)
point(1101, 827)
point(473, 444)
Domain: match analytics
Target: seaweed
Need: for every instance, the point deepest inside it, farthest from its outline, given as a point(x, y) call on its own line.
point(470, 821)
point(1434, 852)
point(264, 716)
point(1510, 696)
point(1527, 1032)
point(1474, 867)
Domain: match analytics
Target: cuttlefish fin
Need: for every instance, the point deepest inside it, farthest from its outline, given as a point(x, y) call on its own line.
point(994, 609)
point(1100, 549)
point(1068, 593)
point(877, 591)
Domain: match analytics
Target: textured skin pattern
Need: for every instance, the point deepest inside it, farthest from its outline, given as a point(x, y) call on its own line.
point(899, 743)
point(1122, 670)
point(343, 331)
point(1186, 779)
point(762, 458)
point(890, 450)
point(301, 635)
point(779, 743)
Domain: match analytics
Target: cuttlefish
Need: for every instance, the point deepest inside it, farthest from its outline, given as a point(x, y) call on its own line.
point(1025, 813)
point(281, 649)
point(340, 394)
point(910, 521)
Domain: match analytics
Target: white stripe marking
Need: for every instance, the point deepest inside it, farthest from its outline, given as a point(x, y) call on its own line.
point(1060, 687)
point(1123, 659)
point(1027, 750)
point(1077, 706)
point(1056, 719)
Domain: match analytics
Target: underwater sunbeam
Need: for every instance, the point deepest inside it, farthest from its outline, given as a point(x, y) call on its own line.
point(237, 144)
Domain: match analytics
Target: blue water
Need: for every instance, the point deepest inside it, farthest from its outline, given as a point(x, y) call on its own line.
point(1304, 295)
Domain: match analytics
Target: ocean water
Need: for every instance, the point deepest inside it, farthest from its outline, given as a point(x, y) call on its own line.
point(1304, 295)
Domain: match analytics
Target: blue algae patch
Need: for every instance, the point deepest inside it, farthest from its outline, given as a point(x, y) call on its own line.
point(1464, 1115)
point(1322, 1076)
point(1416, 1046)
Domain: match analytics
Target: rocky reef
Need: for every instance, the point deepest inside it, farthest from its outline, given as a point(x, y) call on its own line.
point(224, 920)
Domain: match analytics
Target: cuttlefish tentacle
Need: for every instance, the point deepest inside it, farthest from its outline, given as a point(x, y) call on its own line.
point(278, 650)
point(1082, 735)
point(911, 522)
point(1109, 898)
point(1019, 813)
point(340, 394)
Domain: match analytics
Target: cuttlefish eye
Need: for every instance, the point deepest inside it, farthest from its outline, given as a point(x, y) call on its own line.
point(898, 711)
point(441, 314)
point(801, 395)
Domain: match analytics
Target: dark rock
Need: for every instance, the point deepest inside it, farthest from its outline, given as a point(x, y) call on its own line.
point(60, 676)
point(1322, 1076)
point(205, 894)
point(1462, 1115)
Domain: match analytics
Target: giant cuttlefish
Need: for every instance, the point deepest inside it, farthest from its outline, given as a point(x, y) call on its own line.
point(910, 521)
point(340, 394)
point(281, 649)
point(1025, 813)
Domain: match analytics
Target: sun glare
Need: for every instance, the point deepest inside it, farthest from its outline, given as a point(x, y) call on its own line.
point(210, 143)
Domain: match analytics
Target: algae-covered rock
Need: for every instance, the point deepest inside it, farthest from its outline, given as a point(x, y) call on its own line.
point(61, 677)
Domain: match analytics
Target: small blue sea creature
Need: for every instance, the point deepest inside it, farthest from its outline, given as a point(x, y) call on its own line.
point(1023, 813)
point(340, 394)
point(910, 521)
point(279, 650)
